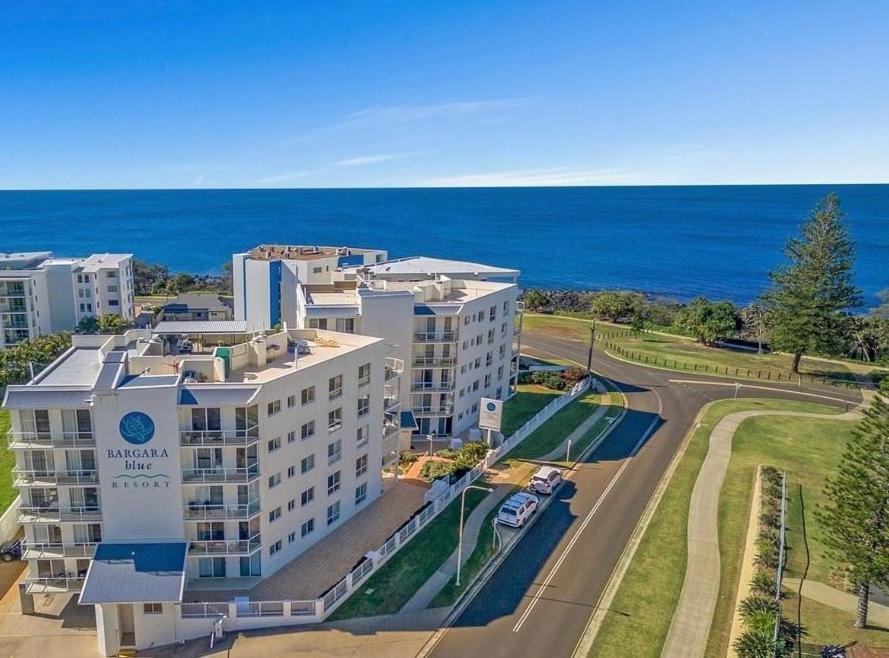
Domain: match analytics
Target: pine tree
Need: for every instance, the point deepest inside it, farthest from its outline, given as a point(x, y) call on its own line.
point(809, 299)
point(856, 518)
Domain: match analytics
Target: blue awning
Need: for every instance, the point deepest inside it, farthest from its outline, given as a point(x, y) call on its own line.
point(408, 422)
point(135, 573)
point(217, 396)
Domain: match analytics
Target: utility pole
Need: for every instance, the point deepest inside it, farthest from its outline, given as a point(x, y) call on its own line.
point(589, 359)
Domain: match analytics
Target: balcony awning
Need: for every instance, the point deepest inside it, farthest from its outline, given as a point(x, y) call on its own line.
point(38, 397)
point(135, 573)
point(217, 396)
point(408, 422)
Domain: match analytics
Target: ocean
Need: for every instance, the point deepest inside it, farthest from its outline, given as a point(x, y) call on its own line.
point(718, 241)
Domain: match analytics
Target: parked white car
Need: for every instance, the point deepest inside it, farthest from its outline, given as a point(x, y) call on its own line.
point(517, 510)
point(545, 480)
point(526, 499)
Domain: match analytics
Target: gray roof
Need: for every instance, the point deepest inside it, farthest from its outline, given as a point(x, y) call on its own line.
point(217, 396)
point(201, 327)
point(426, 265)
point(37, 397)
point(196, 300)
point(135, 572)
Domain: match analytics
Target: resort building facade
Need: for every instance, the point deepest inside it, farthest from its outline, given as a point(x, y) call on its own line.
point(218, 466)
point(455, 324)
point(40, 294)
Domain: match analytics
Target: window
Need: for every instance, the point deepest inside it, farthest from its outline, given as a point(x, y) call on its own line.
point(363, 435)
point(475, 385)
point(317, 323)
point(307, 527)
point(274, 480)
point(307, 464)
point(291, 504)
point(152, 608)
point(274, 444)
point(291, 436)
point(274, 515)
point(487, 380)
point(291, 538)
point(361, 493)
point(335, 387)
point(478, 362)
point(112, 289)
point(333, 483)
point(333, 513)
point(503, 329)
point(506, 307)
point(211, 567)
point(291, 401)
point(274, 548)
point(345, 325)
point(361, 466)
point(274, 407)
point(364, 374)
point(364, 405)
point(317, 269)
point(492, 314)
point(307, 496)
point(490, 336)
point(308, 395)
point(291, 471)
point(307, 430)
point(467, 319)
point(334, 452)
point(335, 419)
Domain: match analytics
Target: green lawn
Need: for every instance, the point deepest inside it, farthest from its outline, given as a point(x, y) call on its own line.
point(521, 407)
point(808, 449)
point(7, 460)
point(640, 614)
point(682, 353)
point(386, 591)
point(549, 435)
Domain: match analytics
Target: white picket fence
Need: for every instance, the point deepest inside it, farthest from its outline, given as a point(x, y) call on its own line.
point(196, 619)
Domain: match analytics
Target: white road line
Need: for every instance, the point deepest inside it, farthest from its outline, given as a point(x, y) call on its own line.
point(589, 517)
point(761, 388)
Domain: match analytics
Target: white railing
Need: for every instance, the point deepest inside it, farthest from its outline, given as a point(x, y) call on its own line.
point(55, 514)
point(195, 511)
point(243, 615)
point(219, 437)
point(46, 440)
point(34, 551)
point(224, 546)
point(37, 585)
point(209, 475)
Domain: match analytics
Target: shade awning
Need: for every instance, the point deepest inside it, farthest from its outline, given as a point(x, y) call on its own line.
point(135, 573)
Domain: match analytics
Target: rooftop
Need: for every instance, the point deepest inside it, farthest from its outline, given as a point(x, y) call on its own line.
point(101, 261)
point(422, 265)
point(302, 252)
point(136, 572)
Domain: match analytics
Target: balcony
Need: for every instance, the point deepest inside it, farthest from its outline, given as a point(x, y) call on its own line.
point(195, 511)
point(199, 547)
point(46, 478)
point(38, 551)
point(54, 585)
point(57, 514)
point(394, 368)
point(446, 409)
point(19, 440)
point(220, 475)
point(436, 337)
point(432, 387)
point(434, 361)
point(246, 437)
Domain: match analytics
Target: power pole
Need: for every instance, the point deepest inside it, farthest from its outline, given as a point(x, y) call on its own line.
point(589, 359)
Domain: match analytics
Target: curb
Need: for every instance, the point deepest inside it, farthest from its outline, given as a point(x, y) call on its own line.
point(488, 571)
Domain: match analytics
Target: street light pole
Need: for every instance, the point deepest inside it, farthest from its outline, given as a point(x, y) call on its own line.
point(460, 535)
point(589, 359)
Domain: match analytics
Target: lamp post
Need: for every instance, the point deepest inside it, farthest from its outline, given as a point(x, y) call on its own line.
point(460, 535)
point(589, 359)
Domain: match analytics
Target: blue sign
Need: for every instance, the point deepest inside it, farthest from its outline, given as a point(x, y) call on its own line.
point(136, 428)
point(491, 406)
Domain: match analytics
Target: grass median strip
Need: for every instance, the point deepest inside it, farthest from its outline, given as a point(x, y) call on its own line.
point(386, 591)
point(639, 617)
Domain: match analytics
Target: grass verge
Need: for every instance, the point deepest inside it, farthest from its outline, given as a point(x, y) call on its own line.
point(386, 591)
point(639, 617)
point(521, 407)
point(8, 493)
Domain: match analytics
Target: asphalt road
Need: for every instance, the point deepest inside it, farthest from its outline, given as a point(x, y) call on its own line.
point(540, 599)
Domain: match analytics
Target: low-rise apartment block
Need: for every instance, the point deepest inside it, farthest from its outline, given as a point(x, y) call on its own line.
point(40, 294)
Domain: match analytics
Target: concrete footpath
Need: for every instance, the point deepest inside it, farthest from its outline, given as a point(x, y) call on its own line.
point(690, 626)
point(877, 614)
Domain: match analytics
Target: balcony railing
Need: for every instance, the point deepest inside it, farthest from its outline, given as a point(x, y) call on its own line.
point(434, 410)
point(37, 551)
point(46, 440)
point(394, 368)
point(243, 437)
point(432, 387)
point(53, 585)
point(195, 511)
point(31, 478)
point(57, 514)
point(435, 361)
point(209, 475)
point(224, 546)
point(436, 337)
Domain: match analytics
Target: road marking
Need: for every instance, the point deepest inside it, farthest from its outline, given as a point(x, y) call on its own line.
point(589, 517)
point(762, 388)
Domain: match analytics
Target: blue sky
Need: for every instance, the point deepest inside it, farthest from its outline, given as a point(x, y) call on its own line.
point(339, 94)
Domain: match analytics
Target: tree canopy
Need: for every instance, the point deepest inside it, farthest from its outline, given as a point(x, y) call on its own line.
point(15, 359)
point(708, 321)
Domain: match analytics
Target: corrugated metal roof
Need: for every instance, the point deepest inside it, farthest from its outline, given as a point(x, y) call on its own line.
point(201, 327)
point(217, 396)
point(135, 572)
point(37, 397)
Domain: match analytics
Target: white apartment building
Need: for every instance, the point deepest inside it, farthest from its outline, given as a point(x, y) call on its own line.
point(455, 323)
point(40, 294)
point(216, 467)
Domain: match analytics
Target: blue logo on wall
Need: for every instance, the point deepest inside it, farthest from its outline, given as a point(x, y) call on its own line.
point(136, 428)
point(491, 406)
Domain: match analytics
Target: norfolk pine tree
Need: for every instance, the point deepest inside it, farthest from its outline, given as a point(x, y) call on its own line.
point(856, 517)
point(810, 297)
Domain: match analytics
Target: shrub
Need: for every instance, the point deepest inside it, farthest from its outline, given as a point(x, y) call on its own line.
point(763, 584)
point(757, 645)
point(770, 518)
point(408, 457)
point(447, 453)
point(434, 469)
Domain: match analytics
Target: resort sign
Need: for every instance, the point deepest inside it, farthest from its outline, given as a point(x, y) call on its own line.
point(137, 429)
point(491, 414)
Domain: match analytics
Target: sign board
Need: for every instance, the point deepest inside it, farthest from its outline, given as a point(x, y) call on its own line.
point(491, 414)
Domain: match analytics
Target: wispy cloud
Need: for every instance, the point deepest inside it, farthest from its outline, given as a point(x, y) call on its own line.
point(374, 159)
point(286, 177)
point(555, 176)
point(403, 113)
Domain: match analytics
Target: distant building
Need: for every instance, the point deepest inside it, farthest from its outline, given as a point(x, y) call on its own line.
point(196, 306)
point(40, 294)
point(454, 322)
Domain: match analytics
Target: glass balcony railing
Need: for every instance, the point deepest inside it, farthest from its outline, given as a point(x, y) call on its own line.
point(72, 439)
point(224, 546)
point(30, 478)
point(434, 361)
point(243, 437)
point(55, 514)
point(54, 585)
point(38, 551)
point(436, 336)
point(220, 475)
point(199, 511)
